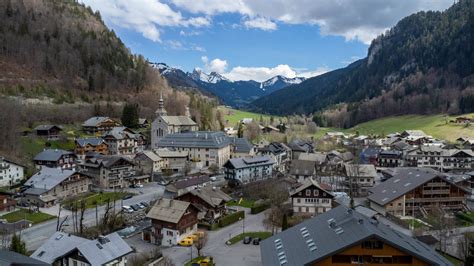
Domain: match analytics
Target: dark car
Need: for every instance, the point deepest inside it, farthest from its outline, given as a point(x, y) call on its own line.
point(135, 207)
point(144, 204)
point(128, 196)
point(247, 240)
point(256, 241)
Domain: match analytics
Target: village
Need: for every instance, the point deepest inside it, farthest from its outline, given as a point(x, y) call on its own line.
point(177, 196)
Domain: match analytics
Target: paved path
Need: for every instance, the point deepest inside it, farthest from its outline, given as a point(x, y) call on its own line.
point(237, 254)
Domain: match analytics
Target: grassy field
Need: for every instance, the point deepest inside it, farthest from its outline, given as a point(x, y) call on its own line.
point(97, 198)
point(244, 203)
point(34, 217)
point(233, 116)
point(437, 126)
point(238, 238)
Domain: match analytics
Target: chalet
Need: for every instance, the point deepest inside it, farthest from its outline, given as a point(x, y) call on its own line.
point(299, 146)
point(85, 145)
point(319, 159)
point(311, 199)
point(241, 147)
point(11, 173)
point(11, 258)
point(123, 141)
point(7, 203)
point(171, 221)
point(55, 158)
point(165, 124)
point(174, 161)
point(360, 178)
point(302, 170)
point(208, 147)
point(109, 171)
point(441, 159)
point(416, 190)
point(99, 125)
point(343, 236)
point(390, 158)
point(369, 156)
point(50, 132)
point(183, 186)
point(464, 120)
point(210, 202)
point(413, 133)
point(148, 162)
point(50, 185)
point(67, 249)
point(249, 169)
point(279, 152)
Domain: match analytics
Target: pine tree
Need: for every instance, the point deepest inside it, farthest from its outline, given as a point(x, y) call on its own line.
point(17, 245)
point(130, 115)
point(284, 223)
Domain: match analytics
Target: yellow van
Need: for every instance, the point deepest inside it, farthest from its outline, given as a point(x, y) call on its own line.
point(186, 242)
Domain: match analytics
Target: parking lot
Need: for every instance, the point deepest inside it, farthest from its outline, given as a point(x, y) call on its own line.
point(237, 254)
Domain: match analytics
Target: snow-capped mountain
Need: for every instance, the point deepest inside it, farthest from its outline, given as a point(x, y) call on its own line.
point(234, 93)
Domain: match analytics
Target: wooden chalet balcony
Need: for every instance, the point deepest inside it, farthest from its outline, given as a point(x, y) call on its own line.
point(436, 184)
point(436, 192)
point(428, 200)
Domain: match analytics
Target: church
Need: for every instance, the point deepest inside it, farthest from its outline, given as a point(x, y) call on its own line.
point(165, 124)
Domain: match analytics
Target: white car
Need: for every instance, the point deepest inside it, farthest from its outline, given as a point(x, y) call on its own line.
point(127, 209)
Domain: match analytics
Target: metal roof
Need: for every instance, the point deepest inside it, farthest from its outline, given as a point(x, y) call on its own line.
point(301, 167)
point(335, 231)
point(241, 145)
point(315, 157)
point(51, 155)
point(12, 258)
point(95, 120)
point(46, 127)
point(196, 139)
point(47, 178)
point(178, 120)
point(168, 210)
point(91, 141)
point(57, 246)
point(238, 163)
point(403, 180)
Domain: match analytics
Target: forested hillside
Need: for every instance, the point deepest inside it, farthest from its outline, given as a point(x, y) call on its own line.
point(64, 44)
point(423, 65)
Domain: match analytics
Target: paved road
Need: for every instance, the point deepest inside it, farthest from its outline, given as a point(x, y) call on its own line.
point(237, 254)
point(37, 234)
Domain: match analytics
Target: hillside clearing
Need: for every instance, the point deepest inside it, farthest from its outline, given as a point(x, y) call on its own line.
point(233, 116)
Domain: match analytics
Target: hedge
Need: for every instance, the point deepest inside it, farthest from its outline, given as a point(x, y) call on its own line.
point(208, 226)
point(259, 208)
point(465, 217)
point(231, 218)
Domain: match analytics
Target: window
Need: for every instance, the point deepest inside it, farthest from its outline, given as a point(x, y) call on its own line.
point(169, 233)
point(316, 192)
point(308, 192)
point(372, 244)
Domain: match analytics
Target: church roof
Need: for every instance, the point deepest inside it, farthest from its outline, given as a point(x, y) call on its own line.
point(178, 120)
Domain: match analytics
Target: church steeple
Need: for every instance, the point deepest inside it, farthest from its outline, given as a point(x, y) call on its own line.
point(161, 106)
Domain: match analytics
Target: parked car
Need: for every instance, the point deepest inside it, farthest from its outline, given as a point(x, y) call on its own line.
point(247, 240)
point(128, 196)
point(144, 204)
point(186, 242)
point(127, 209)
point(135, 207)
point(256, 241)
point(140, 206)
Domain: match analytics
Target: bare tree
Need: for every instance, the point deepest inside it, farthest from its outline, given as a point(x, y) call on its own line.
point(200, 242)
point(252, 131)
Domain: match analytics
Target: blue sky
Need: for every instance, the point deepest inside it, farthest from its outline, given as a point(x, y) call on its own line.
point(255, 39)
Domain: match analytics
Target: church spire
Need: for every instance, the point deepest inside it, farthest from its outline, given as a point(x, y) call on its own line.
point(161, 106)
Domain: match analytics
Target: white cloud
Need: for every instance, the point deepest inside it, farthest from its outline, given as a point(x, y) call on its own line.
point(354, 20)
point(144, 16)
point(260, 23)
point(215, 65)
point(261, 74)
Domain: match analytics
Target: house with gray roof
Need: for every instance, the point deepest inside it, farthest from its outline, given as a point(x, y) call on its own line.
point(241, 147)
point(56, 158)
point(208, 147)
point(105, 250)
point(50, 185)
point(10, 258)
point(173, 160)
point(344, 236)
point(171, 221)
point(165, 124)
point(124, 141)
point(99, 124)
point(412, 190)
point(209, 200)
point(88, 145)
point(110, 171)
point(50, 132)
point(302, 169)
point(249, 169)
point(279, 152)
point(11, 173)
point(311, 198)
point(360, 178)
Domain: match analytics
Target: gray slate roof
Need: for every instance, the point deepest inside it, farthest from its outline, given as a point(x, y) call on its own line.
point(46, 179)
point(188, 182)
point(168, 210)
point(353, 227)
point(360, 170)
point(403, 180)
point(239, 163)
point(46, 127)
point(241, 145)
point(61, 243)
point(119, 133)
point(197, 139)
point(51, 155)
point(300, 167)
point(91, 141)
point(95, 120)
point(213, 197)
point(178, 120)
point(8, 258)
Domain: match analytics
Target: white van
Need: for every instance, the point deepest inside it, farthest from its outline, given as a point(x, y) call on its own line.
point(127, 209)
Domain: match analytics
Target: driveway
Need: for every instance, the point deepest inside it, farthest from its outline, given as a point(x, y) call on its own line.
point(237, 254)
